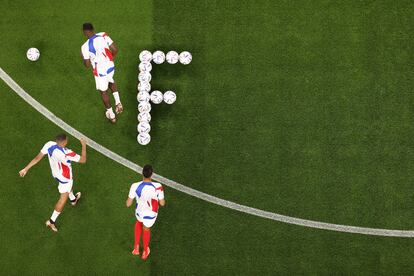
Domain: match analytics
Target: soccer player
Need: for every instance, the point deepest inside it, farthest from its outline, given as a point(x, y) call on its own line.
point(98, 53)
point(60, 160)
point(148, 195)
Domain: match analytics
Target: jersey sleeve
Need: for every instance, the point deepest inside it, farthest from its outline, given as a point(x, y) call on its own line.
point(85, 51)
point(160, 191)
point(45, 148)
point(108, 40)
point(72, 156)
point(131, 193)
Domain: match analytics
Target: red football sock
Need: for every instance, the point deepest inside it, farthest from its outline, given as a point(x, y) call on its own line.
point(146, 238)
point(138, 230)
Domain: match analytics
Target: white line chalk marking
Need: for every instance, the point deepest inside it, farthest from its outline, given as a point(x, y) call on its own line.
point(203, 196)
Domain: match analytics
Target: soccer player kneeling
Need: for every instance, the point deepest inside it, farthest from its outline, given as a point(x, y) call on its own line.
point(148, 195)
point(60, 160)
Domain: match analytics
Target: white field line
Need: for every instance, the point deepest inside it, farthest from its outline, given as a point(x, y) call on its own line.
point(203, 196)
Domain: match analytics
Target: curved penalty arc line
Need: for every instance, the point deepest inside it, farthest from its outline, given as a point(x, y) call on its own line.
point(195, 193)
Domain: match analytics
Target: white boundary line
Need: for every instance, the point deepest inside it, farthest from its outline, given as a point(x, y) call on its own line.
point(203, 196)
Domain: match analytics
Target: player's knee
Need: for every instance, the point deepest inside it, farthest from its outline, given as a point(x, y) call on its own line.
point(64, 196)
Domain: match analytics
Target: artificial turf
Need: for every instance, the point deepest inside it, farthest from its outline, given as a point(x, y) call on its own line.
point(301, 108)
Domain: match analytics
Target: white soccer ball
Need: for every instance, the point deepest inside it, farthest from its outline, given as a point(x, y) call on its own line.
point(144, 77)
point(145, 56)
point(144, 138)
point(144, 127)
point(144, 86)
point(33, 54)
point(144, 107)
point(169, 97)
point(156, 97)
point(145, 66)
point(158, 57)
point(144, 117)
point(172, 57)
point(143, 96)
point(185, 57)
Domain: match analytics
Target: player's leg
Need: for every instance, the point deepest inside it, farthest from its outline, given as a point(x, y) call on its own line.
point(148, 221)
point(56, 212)
point(74, 198)
point(114, 88)
point(109, 112)
point(137, 232)
point(102, 86)
point(146, 235)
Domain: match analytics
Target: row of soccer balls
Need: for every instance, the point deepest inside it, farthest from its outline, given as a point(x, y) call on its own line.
point(144, 107)
point(172, 57)
point(159, 57)
point(144, 127)
point(155, 97)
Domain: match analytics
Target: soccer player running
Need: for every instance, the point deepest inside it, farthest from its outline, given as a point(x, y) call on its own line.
point(60, 160)
point(148, 195)
point(98, 53)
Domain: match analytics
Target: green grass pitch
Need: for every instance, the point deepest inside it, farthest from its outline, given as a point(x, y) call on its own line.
point(303, 108)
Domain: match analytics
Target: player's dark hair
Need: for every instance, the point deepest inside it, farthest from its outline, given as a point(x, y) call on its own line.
point(61, 137)
point(87, 27)
point(147, 171)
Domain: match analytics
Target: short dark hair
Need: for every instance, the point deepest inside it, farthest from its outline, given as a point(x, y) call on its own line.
point(61, 137)
point(147, 171)
point(87, 27)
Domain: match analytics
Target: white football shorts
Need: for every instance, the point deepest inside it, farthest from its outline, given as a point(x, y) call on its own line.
point(65, 187)
point(102, 83)
point(147, 218)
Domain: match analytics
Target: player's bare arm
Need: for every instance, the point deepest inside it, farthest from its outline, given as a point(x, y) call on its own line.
point(35, 160)
point(114, 49)
point(129, 202)
point(162, 202)
point(87, 63)
point(83, 154)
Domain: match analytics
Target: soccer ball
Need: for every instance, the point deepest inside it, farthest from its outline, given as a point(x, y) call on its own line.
point(144, 77)
point(185, 57)
point(156, 97)
point(33, 54)
point(144, 107)
point(144, 117)
point(144, 86)
point(144, 138)
point(143, 127)
point(172, 57)
point(158, 57)
point(143, 96)
point(145, 56)
point(145, 66)
point(169, 97)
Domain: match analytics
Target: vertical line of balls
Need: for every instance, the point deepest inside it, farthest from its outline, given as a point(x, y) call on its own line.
point(144, 87)
point(143, 97)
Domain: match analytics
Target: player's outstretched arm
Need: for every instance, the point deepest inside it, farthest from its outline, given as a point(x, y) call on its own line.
point(35, 160)
point(83, 155)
